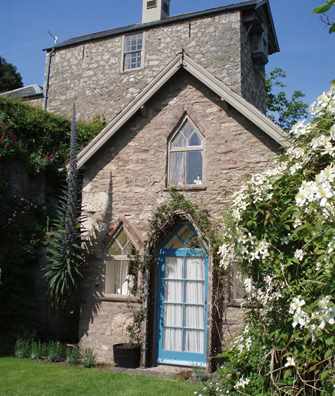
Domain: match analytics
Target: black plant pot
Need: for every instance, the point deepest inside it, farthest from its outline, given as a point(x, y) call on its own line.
point(127, 355)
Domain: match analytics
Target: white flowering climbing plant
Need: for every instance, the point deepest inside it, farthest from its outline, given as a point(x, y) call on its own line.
point(282, 233)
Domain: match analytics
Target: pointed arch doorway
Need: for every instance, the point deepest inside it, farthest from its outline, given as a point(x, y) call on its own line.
point(182, 317)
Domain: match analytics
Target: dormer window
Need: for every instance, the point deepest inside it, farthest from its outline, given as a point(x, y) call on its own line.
point(133, 52)
point(186, 151)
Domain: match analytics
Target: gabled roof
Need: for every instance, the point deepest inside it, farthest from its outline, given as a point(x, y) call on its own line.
point(183, 61)
point(29, 91)
point(245, 5)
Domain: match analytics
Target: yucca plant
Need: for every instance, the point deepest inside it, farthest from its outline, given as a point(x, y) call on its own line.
point(64, 248)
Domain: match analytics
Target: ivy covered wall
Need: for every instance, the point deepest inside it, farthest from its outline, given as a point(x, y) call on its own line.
point(33, 153)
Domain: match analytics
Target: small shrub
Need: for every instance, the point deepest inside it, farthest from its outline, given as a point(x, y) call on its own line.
point(89, 359)
point(37, 350)
point(73, 355)
point(55, 352)
point(22, 348)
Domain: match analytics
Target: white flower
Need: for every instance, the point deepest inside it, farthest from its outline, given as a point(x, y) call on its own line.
point(295, 168)
point(290, 362)
point(296, 152)
point(300, 129)
point(248, 286)
point(332, 132)
point(299, 254)
point(226, 252)
point(261, 251)
point(242, 383)
point(297, 223)
point(296, 305)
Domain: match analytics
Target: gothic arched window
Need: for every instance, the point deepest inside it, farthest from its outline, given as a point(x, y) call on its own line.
point(186, 156)
point(119, 279)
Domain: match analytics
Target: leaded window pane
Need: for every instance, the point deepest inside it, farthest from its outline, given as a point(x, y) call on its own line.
point(118, 280)
point(177, 168)
point(194, 167)
point(186, 157)
point(195, 140)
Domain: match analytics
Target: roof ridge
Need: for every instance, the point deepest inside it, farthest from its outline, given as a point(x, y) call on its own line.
point(137, 26)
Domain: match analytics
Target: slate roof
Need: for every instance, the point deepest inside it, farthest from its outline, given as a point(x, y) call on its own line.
point(29, 91)
point(274, 46)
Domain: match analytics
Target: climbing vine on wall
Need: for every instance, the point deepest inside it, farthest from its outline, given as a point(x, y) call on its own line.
point(175, 210)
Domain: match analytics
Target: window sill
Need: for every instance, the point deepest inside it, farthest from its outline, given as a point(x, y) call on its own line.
point(186, 188)
point(132, 70)
point(122, 299)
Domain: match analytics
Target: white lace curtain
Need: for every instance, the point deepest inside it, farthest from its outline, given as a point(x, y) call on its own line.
point(184, 304)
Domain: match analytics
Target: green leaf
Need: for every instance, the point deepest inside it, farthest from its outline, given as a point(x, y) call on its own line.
point(332, 28)
point(323, 8)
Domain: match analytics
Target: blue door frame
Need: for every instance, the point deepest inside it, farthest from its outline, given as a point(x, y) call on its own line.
point(182, 358)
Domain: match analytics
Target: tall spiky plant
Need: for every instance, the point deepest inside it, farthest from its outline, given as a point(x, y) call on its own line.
point(64, 250)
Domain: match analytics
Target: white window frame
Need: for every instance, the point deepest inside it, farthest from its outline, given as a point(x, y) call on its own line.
point(124, 53)
point(202, 186)
point(120, 258)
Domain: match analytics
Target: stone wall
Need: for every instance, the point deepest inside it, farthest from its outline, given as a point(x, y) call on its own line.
point(252, 76)
point(127, 177)
point(91, 73)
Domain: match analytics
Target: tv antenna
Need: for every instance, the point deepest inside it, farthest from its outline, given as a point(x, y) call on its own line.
point(53, 36)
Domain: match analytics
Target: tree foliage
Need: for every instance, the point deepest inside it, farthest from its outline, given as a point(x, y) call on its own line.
point(39, 139)
point(10, 78)
point(324, 10)
point(283, 110)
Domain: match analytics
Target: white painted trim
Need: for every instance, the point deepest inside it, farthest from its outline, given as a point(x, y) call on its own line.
point(201, 148)
point(123, 70)
point(214, 84)
point(181, 363)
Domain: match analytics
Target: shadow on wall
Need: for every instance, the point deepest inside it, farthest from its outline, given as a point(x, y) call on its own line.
point(92, 288)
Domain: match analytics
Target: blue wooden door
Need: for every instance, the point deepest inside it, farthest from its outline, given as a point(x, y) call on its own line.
point(183, 307)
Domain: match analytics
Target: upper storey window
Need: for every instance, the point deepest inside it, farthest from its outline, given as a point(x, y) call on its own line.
point(186, 151)
point(133, 51)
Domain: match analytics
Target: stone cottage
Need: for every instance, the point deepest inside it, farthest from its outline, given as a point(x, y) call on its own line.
point(184, 97)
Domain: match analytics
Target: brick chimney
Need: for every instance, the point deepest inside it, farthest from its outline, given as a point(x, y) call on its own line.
point(155, 10)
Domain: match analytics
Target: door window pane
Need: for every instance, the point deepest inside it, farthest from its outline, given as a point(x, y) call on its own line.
point(195, 268)
point(173, 340)
point(194, 341)
point(173, 315)
point(174, 267)
point(194, 293)
point(173, 291)
point(194, 317)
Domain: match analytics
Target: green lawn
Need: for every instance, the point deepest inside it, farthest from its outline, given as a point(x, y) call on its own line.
point(28, 378)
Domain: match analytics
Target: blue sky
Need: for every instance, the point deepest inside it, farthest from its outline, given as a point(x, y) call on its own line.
point(307, 50)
